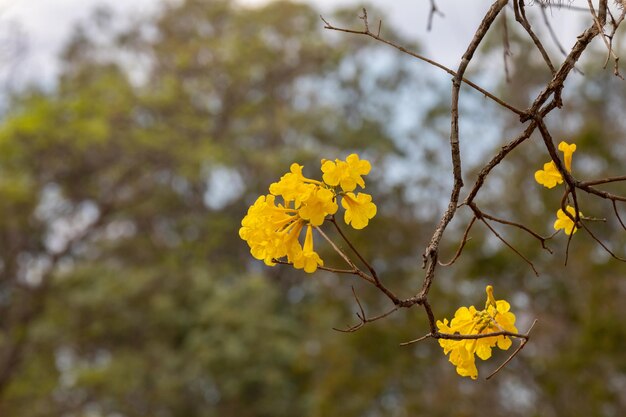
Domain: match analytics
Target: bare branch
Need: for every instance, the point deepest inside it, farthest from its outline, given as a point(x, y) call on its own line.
point(427, 60)
point(555, 86)
point(463, 242)
point(520, 16)
point(534, 234)
point(510, 246)
point(606, 248)
point(431, 14)
point(602, 181)
point(431, 252)
point(374, 276)
point(600, 20)
point(363, 320)
point(323, 268)
point(419, 339)
point(617, 214)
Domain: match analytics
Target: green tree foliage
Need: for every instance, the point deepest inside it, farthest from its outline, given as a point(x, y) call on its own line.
point(125, 286)
point(125, 290)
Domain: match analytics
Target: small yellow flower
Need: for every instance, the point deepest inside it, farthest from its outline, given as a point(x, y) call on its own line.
point(346, 174)
point(359, 209)
point(318, 205)
point(564, 222)
point(308, 259)
point(568, 151)
point(549, 176)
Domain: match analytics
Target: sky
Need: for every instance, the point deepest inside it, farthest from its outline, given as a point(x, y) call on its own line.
point(47, 24)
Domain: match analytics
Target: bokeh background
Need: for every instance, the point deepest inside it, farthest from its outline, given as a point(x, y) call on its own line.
point(134, 135)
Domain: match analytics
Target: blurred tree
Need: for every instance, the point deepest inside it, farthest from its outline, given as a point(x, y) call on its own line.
point(125, 288)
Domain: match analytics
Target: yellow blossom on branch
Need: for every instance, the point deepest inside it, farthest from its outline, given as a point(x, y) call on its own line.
point(293, 186)
point(568, 150)
point(549, 176)
point(496, 317)
point(319, 203)
point(308, 259)
point(359, 209)
point(564, 222)
point(347, 174)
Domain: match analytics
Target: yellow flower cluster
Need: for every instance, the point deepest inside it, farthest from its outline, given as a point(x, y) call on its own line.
point(496, 317)
point(272, 229)
point(549, 177)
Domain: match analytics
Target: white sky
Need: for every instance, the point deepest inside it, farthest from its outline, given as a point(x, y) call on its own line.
point(48, 23)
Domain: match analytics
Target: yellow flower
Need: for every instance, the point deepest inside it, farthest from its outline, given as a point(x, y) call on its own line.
point(495, 317)
point(564, 222)
point(293, 186)
point(308, 259)
point(359, 209)
point(346, 174)
point(320, 203)
point(549, 176)
point(568, 151)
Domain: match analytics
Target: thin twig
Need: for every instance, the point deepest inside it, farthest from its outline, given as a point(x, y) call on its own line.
point(520, 16)
point(544, 5)
point(603, 181)
point(462, 245)
point(493, 162)
point(431, 14)
point(457, 336)
point(374, 276)
point(510, 246)
point(345, 257)
point(365, 320)
point(356, 297)
point(534, 234)
point(556, 85)
point(323, 268)
point(599, 193)
point(427, 60)
point(617, 214)
point(606, 248)
point(600, 20)
point(520, 347)
point(554, 37)
point(506, 47)
point(419, 339)
point(352, 247)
